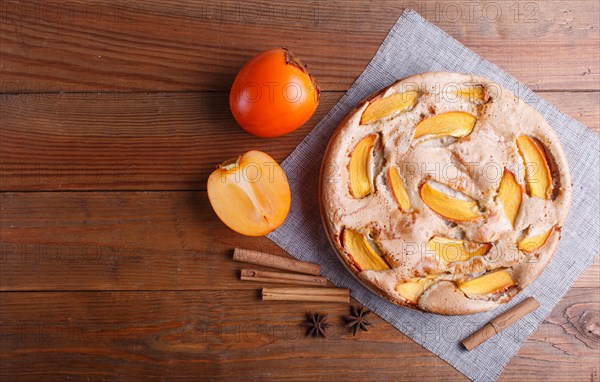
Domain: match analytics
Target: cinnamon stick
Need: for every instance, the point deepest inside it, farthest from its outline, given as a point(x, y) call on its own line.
point(306, 294)
point(281, 277)
point(500, 323)
point(273, 261)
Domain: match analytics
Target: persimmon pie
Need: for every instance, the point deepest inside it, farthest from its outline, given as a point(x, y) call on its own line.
point(445, 192)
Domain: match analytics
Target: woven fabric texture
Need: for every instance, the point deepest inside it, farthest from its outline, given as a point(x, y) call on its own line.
point(415, 46)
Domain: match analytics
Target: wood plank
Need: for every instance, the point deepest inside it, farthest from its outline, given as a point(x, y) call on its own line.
point(118, 241)
point(125, 241)
point(69, 45)
point(141, 285)
point(591, 276)
point(126, 141)
point(167, 141)
point(222, 334)
point(570, 332)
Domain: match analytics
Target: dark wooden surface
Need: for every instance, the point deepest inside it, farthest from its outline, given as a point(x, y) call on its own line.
point(113, 266)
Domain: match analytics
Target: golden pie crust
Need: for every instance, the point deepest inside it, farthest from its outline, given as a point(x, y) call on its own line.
point(445, 238)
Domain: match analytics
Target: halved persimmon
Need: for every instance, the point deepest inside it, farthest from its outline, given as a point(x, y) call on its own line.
point(250, 193)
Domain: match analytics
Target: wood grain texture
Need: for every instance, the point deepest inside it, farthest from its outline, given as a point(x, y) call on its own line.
point(69, 45)
point(591, 276)
point(168, 141)
point(212, 336)
point(126, 241)
point(119, 241)
point(110, 100)
point(126, 141)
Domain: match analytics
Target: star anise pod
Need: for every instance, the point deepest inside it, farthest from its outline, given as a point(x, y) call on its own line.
point(316, 324)
point(356, 320)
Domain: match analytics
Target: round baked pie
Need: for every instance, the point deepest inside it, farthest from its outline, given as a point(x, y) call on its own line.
point(445, 192)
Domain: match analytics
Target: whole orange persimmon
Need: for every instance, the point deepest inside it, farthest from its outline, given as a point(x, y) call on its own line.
point(273, 94)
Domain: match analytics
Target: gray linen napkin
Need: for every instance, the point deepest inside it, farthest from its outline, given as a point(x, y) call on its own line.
point(414, 46)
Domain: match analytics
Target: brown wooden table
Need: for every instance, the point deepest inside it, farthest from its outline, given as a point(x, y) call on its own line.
point(113, 265)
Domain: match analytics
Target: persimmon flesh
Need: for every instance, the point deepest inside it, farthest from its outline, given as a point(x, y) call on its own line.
point(273, 94)
point(250, 194)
